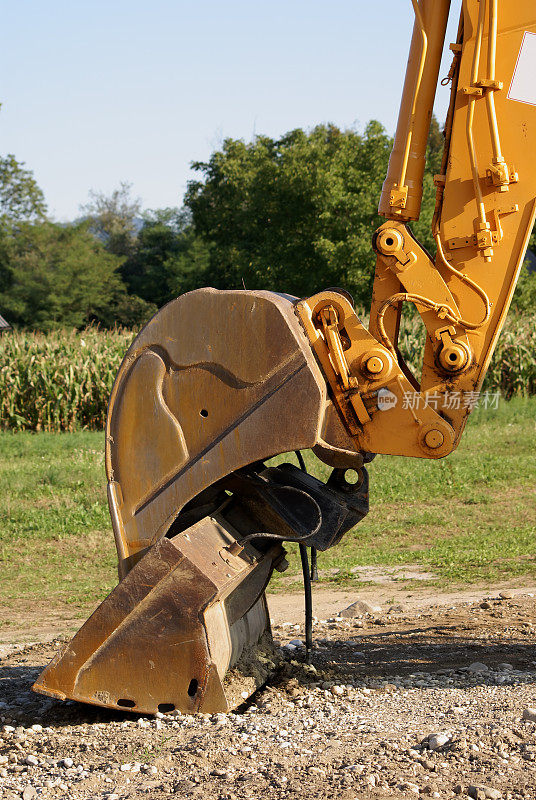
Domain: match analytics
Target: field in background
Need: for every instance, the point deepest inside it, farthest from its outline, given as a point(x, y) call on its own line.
point(61, 381)
point(468, 518)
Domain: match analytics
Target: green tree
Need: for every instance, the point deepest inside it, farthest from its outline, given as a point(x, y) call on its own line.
point(113, 218)
point(294, 214)
point(62, 276)
point(168, 258)
point(21, 199)
point(524, 299)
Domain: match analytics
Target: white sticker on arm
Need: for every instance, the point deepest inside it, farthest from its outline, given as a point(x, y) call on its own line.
point(523, 86)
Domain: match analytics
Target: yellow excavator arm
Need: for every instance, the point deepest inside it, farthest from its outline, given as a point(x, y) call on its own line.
point(218, 382)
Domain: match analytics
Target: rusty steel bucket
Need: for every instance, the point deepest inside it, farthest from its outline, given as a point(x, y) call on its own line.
point(216, 381)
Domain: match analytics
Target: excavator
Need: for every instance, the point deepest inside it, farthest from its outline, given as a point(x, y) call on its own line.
point(218, 383)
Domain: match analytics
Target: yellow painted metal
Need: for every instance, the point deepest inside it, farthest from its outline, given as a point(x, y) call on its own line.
point(373, 404)
point(485, 211)
point(402, 190)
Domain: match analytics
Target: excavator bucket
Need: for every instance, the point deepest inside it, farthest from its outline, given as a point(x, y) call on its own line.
point(214, 385)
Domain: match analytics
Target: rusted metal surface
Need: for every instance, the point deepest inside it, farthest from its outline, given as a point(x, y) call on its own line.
point(167, 634)
point(216, 381)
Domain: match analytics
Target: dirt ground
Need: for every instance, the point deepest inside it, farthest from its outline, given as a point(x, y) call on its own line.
point(412, 695)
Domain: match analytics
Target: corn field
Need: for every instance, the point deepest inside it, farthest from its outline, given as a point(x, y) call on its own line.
point(61, 381)
point(58, 381)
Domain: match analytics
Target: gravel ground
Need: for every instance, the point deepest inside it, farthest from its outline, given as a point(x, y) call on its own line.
point(398, 703)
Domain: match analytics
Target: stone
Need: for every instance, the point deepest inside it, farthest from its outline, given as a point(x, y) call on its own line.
point(529, 714)
point(28, 793)
point(66, 762)
point(183, 786)
point(483, 793)
point(506, 594)
point(356, 609)
point(478, 666)
point(32, 761)
point(296, 642)
point(436, 740)
point(407, 786)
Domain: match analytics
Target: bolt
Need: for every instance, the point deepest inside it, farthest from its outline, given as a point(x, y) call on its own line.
point(434, 439)
point(374, 365)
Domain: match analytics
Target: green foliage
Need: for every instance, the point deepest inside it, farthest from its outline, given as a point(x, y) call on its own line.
point(21, 199)
point(59, 275)
point(60, 381)
point(294, 214)
point(524, 299)
point(113, 218)
point(168, 259)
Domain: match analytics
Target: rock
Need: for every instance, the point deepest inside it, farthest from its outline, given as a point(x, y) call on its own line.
point(429, 765)
point(483, 792)
point(506, 594)
point(407, 786)
point(357, 609)
point(37, 728)
point(66, 762)
point(529, 714)
point(337, 690)
point(32, 761)
point(504, 666)
point(436, 740)
point(478, 666)
point(296, 642)
point(183, 786)
point(28, 793)
point(485, 605)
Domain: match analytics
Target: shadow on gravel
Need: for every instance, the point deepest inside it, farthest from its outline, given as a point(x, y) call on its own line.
point(21, 704)
point(380, 656)
point(433, 649)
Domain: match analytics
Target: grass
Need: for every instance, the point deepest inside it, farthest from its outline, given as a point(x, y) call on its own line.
point(56, 543)
point(468, 518)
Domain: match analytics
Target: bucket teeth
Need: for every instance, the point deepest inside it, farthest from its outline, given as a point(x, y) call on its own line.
point(167, 634)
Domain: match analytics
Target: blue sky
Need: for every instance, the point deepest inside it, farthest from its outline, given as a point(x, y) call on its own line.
point(97, 93)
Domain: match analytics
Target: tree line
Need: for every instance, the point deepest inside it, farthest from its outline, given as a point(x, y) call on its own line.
point(294, 214)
